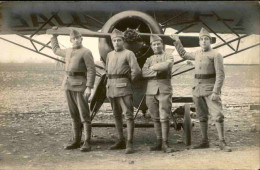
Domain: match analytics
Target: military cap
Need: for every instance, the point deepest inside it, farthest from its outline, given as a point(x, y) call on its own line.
point(74, 33)
point(155, 38)
point(204, 32)
point(117, 33)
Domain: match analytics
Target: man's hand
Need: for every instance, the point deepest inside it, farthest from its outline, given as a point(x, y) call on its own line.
point(214, 97)
point(152, 68)
point(55, 28)
point(87, 92)
point(175, 37)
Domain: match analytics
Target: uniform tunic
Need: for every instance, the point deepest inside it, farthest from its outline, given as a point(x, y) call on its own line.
point(119, 90)
point(159, 89)
point(79, 61)
point(209, 78)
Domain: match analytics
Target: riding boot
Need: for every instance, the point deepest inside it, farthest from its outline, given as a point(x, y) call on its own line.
point(130, 136)
point(222, 144)
point(205, 141)
point(158, 146)
point(77, 137)
point(80, 132)
point(158, 132)
point(87, 132)
point(120, 144)
point(165, 133)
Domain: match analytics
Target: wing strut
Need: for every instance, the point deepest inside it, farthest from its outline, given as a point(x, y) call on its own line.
point(228, 55)
point(220, 19)
point(216, 34)
point(32, 50)
point(228, 43)
point(40, 28)
point(39, 52)
point(165, 23)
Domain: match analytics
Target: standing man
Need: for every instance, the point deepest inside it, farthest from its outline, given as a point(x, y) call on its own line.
point(122, 69)
point(79, 79)
point(157, 69)
point(209, 79)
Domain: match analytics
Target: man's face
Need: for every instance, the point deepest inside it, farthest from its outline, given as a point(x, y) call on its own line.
point(205, 42)
point(157, 47)
point(76, 41)
point(118, 43)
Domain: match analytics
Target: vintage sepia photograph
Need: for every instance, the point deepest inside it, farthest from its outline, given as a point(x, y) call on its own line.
point(129, 85)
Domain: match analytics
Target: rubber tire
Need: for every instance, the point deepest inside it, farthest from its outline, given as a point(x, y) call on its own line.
point(187, 125)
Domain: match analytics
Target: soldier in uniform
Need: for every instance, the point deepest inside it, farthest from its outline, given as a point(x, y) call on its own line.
point(78, 82)
point(157, 69)
point(209, 79)
point(122, 69)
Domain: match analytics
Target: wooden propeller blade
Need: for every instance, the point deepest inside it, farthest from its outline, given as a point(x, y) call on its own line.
point(187, 41)
point(83, 31)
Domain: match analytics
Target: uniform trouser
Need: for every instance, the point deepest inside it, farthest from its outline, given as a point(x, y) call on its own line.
point(205, 106)
point(123, 105)
point(159, 106)
point(78, 107)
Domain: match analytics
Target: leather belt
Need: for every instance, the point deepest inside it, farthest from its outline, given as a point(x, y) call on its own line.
point(116, 76)
point(70, 73)
point(205, 76)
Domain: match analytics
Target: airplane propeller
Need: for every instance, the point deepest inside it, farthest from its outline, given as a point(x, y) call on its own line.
point(187, 41)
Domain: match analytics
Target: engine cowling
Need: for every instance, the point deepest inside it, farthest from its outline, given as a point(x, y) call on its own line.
point(144, 24)
point(133, 20)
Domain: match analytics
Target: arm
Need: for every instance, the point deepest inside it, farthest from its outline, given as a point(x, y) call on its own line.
point(91, 70)
point(147, 71)
point(164, 66)
point(182, 52)
point(220, 74)
point(106, 67)
point(56, 48)
point(134, 66)
point(179, 47)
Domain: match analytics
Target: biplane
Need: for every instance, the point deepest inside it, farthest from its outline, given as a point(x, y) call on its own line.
point(138, 20)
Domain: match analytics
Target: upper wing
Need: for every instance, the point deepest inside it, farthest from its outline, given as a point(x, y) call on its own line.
point(36, 17)
point(221, 17)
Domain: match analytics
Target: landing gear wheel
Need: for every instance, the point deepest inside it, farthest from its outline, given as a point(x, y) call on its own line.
point(187, 125)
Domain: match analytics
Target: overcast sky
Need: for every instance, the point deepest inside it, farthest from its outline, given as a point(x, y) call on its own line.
point(13, 53)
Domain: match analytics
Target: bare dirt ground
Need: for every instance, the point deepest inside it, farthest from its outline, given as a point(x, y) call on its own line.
point(35, 141)
point(35, 125)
